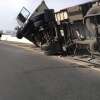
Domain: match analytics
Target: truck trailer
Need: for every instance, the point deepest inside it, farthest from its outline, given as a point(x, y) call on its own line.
point(63, 31)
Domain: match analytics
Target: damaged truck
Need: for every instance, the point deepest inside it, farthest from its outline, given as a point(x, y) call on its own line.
point(63, 32)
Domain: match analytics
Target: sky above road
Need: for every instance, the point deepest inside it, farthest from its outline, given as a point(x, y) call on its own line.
point(10, 8)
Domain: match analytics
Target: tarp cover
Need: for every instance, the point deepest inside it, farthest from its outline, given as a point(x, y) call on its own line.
point(93, 11)
point(39, 10)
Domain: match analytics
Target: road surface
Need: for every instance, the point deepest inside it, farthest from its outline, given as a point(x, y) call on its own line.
point(26, 75)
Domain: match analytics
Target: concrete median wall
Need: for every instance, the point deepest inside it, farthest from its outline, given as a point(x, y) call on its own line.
point(14, 39)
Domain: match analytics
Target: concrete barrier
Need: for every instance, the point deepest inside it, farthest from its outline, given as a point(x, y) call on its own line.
point(14, 39)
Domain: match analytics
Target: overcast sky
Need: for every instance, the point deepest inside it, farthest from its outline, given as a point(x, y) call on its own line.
point(9, 9)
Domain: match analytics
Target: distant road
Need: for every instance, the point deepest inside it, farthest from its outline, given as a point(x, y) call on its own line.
point(29, 76)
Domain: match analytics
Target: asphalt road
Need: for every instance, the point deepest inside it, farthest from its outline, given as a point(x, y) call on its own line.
point(29, 76)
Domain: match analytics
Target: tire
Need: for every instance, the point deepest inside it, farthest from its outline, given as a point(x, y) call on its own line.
point(19, 36)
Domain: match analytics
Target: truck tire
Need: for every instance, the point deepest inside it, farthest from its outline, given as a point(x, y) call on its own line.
point(19, 36)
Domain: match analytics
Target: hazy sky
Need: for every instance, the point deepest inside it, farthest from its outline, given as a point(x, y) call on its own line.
point(9, 9)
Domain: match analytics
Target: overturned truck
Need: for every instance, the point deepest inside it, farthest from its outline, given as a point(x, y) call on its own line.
point(65, 31)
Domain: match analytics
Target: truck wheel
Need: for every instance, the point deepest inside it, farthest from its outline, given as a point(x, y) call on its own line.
point(19, 36)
